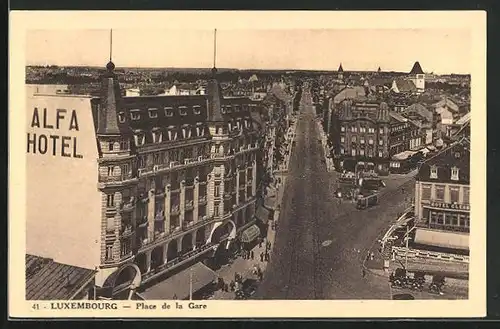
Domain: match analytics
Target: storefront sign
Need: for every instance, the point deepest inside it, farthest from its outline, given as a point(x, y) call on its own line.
point(444, 205)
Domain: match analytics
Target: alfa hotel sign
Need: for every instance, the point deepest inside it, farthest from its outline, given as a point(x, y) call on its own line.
point(54, 144)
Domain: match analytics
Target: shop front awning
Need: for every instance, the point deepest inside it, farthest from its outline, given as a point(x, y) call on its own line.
point(403, 155)
point(250, 234)
point(177, 286)
point(452, 240)
point(262, 214)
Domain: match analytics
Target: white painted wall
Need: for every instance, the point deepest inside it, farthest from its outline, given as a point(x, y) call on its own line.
point(63, 205)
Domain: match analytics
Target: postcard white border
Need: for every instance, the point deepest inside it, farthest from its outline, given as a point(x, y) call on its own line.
point(474, 21)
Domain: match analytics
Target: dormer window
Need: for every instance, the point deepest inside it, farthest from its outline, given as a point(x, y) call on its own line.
point(434, 172)
point(140, 139)
point(153, 113)
point(121, 117)
point(183, 110)
point(157, 136)
point(454, 173)
point(169, 111)
point(196, 109)
point(135, 114)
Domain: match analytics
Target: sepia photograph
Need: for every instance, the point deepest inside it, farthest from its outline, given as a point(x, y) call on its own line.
point(209, 164)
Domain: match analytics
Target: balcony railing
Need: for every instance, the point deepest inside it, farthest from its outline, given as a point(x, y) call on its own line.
point(160, 216)
point(126, 231)
point(143, 222)
point(188, 204)
point(176, 261)
point(160, 193)
point(115, 179)
point(129, 205)
point(175, 210)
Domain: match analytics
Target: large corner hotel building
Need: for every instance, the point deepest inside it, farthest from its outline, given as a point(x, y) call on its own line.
point(134, 187)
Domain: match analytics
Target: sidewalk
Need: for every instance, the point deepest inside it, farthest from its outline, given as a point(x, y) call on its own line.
point(244, 267)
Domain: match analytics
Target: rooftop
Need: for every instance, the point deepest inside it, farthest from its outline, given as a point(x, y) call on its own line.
point(416, 69)
point(49, 280)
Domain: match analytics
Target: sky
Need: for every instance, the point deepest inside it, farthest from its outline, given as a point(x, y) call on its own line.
point(441, 51)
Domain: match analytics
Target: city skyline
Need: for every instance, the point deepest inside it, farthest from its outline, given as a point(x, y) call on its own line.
point(194, 49)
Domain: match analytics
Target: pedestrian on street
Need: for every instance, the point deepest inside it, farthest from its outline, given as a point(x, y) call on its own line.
point(231, 285)
point(251, 255)
point(364, 272)
point(260, 242)
point(261, 257)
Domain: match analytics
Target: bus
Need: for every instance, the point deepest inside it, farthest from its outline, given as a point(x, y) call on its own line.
point(367, 201)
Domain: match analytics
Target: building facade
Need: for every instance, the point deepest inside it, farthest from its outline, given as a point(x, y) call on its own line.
point(360, 132)
point(176, 183)
point(404, 135)
point(442, 198)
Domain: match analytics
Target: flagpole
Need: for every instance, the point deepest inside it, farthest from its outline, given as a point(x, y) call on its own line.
point(215, 46)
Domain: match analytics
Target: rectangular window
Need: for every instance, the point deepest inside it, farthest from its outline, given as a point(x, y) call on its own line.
point(380, 154)
point(110, 200)
point(125, 169)
point(216, 209)
point(156, 159)
point(342, 139)
point(342, 128)
point(381, 131)
point(353, 139)
point(125, 248)
point(110, 224)
point(454, 219)
point(466, 195)
point(124, 145)
point(109, 251)
point(362, 141)
point(362, 129)
point(371, 130)
point(111, 170)
point(370, 141)
point(353, 152)
point(121, 117)
point(454, 193)
point(111, 145)
point(183, 110)
point(380, 142)
point(362, 152)
point(341, 151)
point(217, 190)
point(426, 192)
point(440, 192)
point(454, 173)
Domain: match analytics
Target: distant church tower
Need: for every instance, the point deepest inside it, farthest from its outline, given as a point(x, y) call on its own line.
point(340, 71)
point(418, 77)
